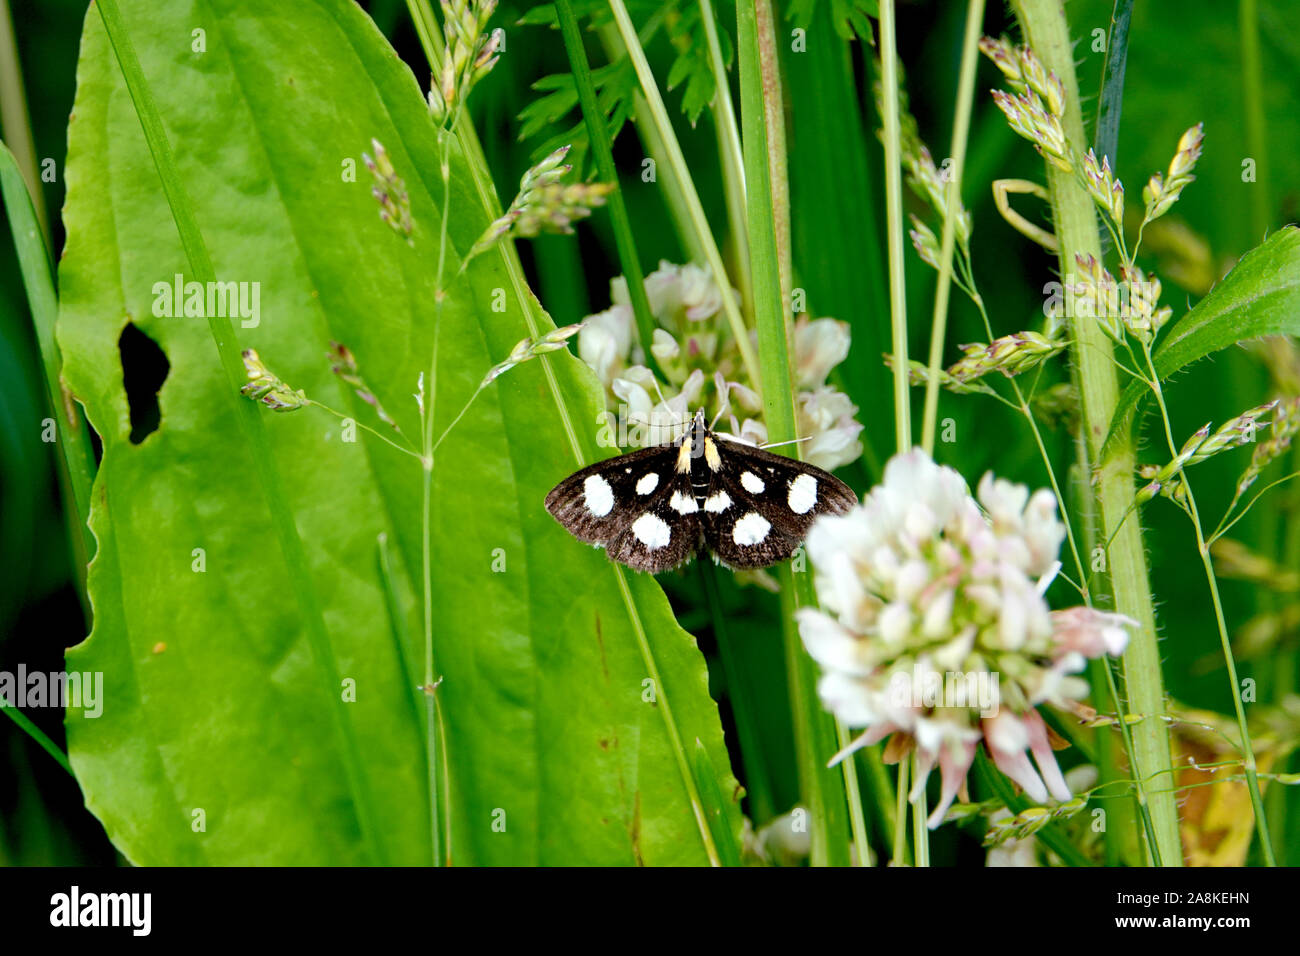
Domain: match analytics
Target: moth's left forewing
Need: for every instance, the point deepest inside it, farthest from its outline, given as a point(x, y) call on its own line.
point(804, 490)
point(764, 504)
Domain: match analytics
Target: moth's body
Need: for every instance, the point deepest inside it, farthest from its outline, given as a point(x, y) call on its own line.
point(654, 508)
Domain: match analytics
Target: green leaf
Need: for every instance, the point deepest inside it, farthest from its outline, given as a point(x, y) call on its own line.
point(1260, 296)
point(210, 697)
point(686, 32)
point(851, 17)
point(615, 82)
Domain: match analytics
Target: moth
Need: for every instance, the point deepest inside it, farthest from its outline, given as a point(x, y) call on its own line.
point(654, 508)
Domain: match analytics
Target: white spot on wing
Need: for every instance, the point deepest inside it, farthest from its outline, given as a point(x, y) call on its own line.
point(751, 529)
point(652, 531)
point(599, 495)
point(753, 484)
point(803, 494)
point(648, 483)
point(717, 502)
point(683, 504)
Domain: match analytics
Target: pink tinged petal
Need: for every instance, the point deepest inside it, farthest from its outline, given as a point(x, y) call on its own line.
point(872, 736)
point(1043, 756)
point(1091, 632)
point(955, 760)
point(924, 764)
point(1007, 738)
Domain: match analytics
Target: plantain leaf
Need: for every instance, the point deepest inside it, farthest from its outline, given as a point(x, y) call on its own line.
point(1260, 296)
point(213, 744)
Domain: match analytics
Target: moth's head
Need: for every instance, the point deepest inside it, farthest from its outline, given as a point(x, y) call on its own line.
point(699, 428)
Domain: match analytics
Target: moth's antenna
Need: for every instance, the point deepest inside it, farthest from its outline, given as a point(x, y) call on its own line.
point(659, 391)
point(792, 441)
point(723, 386)
point(663, 401)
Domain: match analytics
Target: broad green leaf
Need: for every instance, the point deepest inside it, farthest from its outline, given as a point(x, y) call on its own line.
point(211, 701)
point(1260, 296)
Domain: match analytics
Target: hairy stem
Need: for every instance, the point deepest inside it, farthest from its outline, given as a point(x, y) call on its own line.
point(1046, 30)
point(894, 226)
point(1203, 549)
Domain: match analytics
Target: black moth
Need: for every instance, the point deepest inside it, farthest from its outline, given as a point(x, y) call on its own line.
point(654, 508)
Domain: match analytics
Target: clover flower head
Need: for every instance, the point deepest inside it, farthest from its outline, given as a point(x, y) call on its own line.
point(925, 582)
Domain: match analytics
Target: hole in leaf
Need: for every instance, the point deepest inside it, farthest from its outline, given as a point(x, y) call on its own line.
point(144, 369)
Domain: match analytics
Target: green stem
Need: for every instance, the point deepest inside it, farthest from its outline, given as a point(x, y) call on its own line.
point(897, 287)
point(250, 419)
point(602, 150)
point(1252, 777)
point(1139, 788)
point(1284, 676)
point(857, 814)
point(434, 744)
point(1045, 27)
point(920, 831)
point(1256, 126)
point(900, 812)
point(733, 160)
point(894, 226)
point(364, 427)
point(960, 132)
point(881, 786)
point(15, 123)
point(699, 222)
point(768, 207)
point(31, 730)
point(76, 457)
point(761, 805)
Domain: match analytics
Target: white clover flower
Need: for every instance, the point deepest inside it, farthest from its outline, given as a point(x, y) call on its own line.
point(919, 580)
point(606, 341)
point(656, 422)
point(819, 346)
point(664, 347)
point(825, 417)
point(691, 337)
point(675, 292)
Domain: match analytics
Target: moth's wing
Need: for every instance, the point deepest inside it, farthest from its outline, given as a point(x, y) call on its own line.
point(663, 530)
point(598, 502)
point(770, 503)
